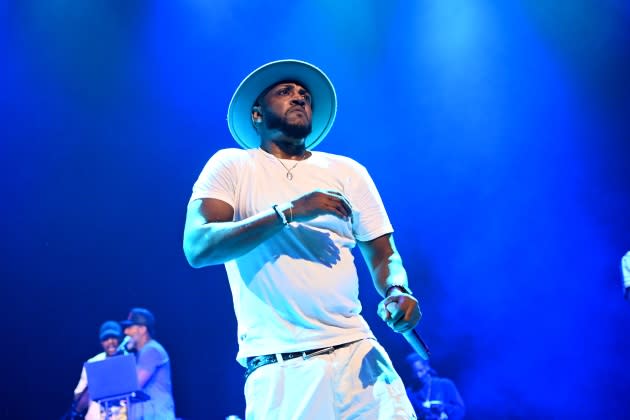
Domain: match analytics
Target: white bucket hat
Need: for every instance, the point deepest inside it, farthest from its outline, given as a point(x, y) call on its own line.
point(318, 84)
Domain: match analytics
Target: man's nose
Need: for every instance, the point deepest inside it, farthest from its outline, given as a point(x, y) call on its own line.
point(298, 100)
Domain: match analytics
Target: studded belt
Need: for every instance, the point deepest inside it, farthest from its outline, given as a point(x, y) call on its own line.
point(255, 362)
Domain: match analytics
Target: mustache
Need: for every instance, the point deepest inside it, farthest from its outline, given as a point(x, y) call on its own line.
point(297, 108)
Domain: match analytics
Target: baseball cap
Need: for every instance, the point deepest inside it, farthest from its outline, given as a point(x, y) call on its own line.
point(139, 316)
point(109, 329)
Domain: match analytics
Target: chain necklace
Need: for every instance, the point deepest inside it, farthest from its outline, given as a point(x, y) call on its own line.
point(289, 174)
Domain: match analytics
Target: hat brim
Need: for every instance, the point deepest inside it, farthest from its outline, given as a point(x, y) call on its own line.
point(318, 84)
point(109, 333)
point(126, 323)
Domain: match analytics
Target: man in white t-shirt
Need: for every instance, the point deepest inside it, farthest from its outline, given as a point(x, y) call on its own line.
point(284, 220)
point(109, 336)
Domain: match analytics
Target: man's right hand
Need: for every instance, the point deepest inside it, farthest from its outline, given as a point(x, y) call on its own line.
point(321, 202)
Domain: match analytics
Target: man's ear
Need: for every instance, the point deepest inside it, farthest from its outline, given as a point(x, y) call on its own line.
point(256, 115)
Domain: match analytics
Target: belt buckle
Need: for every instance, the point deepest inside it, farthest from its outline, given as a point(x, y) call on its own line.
point(318, 352)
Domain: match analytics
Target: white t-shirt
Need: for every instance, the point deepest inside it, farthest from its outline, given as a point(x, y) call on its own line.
point(299, 289)
point(94, 410)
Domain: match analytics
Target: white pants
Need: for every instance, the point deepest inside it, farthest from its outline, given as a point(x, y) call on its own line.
point(353, 382)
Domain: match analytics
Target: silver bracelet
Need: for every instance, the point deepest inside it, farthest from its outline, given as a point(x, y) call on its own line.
point(281, 215)
point(402, 288)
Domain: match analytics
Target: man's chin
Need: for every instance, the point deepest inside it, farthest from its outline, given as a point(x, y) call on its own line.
point(297, 131)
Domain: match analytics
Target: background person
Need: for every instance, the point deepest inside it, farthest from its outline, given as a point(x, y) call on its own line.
point(153, 367)
point(109, 336)
point(433, 397)
point(625, 274)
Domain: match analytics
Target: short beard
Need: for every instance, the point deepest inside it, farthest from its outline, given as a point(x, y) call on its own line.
point(296, 131)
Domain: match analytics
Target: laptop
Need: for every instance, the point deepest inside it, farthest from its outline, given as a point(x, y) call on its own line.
point(113, 377)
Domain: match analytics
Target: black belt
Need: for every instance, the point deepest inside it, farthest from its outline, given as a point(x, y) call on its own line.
point(255, 362)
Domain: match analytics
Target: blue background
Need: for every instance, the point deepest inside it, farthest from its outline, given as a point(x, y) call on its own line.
point(497, 133)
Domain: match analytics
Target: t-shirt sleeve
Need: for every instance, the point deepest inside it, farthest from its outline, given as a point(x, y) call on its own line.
point(218, 177)
point(82, 382)
point(151, 359)
point(369, 218)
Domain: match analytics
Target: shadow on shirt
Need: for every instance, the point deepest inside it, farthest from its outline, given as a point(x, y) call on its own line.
point(296, 242)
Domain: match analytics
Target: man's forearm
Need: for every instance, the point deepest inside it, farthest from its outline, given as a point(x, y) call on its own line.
point(390, 273)
point(217, 242)
point(384, 263)
point(81, 401)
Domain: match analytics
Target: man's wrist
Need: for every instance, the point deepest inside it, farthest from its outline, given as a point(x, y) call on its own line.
point(402, 288)
point(280, 214)
point(280, 210)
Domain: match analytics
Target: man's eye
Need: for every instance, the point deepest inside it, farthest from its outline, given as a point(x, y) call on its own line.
point(283, 91)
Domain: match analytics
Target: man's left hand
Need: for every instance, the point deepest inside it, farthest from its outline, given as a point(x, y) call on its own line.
point(401, 311)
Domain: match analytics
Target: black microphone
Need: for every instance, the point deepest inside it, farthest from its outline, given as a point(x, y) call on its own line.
point(417, 343)
point(122, 348)
point(413, 338)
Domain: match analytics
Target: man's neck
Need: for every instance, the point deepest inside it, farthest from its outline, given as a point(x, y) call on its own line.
point(424, 381)
point(286, 148)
